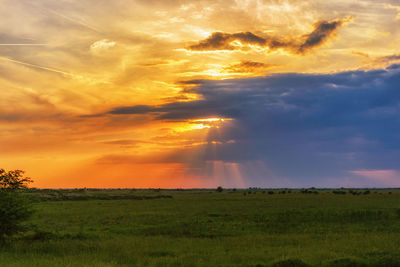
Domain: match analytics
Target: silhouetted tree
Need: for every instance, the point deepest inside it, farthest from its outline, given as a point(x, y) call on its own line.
point(220, 189)
point(14, 208)
point(13, 180)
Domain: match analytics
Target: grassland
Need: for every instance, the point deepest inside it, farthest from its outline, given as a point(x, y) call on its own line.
point(209, 228)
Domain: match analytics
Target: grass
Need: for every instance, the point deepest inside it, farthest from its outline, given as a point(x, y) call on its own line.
point(207, 228)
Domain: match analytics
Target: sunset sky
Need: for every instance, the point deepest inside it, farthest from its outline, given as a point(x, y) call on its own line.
point(205, 93)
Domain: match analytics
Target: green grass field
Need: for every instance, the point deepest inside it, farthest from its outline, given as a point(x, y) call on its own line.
point(207, 228)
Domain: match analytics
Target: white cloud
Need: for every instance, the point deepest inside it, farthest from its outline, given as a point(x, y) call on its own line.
point(102, 45)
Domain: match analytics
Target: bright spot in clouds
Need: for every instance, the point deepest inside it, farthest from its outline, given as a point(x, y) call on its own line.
point(209, 120)
point(102, 45)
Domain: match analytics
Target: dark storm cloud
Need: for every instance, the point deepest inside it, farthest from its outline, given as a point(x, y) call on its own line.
point(139, 109)
point(222, 41)
point(307, 127)
point(323, 30)
point(248, 66)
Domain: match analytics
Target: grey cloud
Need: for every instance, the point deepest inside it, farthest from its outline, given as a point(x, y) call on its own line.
point(307, 128)
point(389, 58)
point(222, 41)
point(139, 109)
point(323, 30)
point(248, 66)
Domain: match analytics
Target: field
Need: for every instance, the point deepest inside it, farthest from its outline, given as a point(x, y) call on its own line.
point(209, 228)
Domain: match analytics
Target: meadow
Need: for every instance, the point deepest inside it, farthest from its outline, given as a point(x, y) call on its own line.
point(209, 228)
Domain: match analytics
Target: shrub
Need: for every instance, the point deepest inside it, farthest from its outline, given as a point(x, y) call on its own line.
point(220, 189)
point(354, 193)
point(14, 207)
point(13, 210)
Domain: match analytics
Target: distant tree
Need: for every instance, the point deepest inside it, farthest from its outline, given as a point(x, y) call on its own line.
point(220, 189)
point(13, 180)
point(14, 208)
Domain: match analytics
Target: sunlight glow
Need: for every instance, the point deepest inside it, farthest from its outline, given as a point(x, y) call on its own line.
point(64, 81)
point(200, 126)
point(209, 120)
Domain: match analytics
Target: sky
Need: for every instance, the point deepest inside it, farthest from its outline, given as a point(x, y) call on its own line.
point(200, 94)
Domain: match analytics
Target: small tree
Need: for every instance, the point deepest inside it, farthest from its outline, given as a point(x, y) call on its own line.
point(220, 189)
point(14, 208)
point(13, 180)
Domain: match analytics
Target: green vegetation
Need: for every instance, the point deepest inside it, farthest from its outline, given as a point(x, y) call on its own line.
point(209, 228)
point(14, 207)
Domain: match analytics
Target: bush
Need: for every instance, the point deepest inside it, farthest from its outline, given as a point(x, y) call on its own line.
point(220, 189)
point(14, 207)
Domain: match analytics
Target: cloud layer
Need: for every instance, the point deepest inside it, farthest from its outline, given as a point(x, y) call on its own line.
point(309, 129)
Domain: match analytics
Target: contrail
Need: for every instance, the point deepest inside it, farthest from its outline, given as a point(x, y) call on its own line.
point(38, 66)
point(76, 21)
point(67, 74)
point(73, 20)
point(23, 44)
